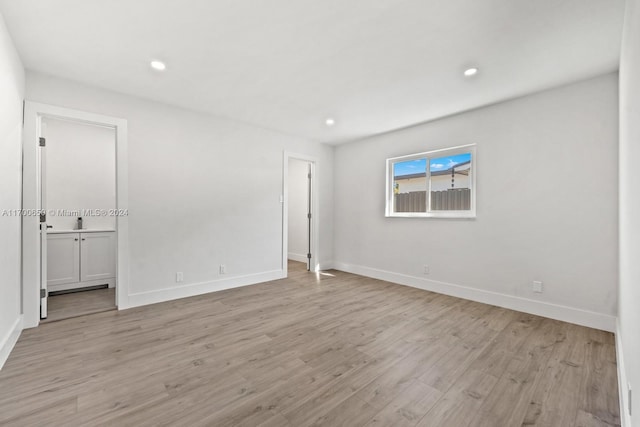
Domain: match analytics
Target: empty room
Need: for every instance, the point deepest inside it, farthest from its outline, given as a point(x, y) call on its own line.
point(305, 213)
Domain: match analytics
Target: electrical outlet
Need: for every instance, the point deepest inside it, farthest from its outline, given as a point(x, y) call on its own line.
point(426, 269)
point(536, 286)
point(179, 276)
point(223, 269)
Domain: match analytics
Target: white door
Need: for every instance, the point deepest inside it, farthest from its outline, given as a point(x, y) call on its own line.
point(309, 219)
point(97, 256)
point(43, 225)
point(63, 259)
point(299, 215)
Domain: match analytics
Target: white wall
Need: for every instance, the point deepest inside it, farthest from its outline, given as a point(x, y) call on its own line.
point(547, 206)
point(183, 214)
point(298, 208)
point(629, 290)
point(81, 173)
point(11, 96)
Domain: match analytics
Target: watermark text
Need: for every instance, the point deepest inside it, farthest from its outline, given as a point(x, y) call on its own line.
point(65, 212)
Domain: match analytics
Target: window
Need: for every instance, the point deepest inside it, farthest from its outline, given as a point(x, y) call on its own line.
point(439, 183)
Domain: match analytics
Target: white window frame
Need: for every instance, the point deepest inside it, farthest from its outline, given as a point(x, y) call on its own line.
point(428, 155)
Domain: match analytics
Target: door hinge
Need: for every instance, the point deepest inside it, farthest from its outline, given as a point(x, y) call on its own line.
point(42, 142)
point(309, 216)
point(309, 256)
point(43, 217)
point(43, 293)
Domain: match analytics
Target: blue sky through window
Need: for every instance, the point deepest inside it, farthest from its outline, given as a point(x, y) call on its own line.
point(437, 164)
point(410, 167)
point(444, 163)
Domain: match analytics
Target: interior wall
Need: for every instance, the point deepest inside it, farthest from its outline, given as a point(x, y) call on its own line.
point(12, 82)
point(298, 237)
point(203, 191)
point(629, 289)
point(81, 174)
point(546, 205)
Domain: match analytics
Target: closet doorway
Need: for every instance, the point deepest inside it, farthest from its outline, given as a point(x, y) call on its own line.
point(300, 242)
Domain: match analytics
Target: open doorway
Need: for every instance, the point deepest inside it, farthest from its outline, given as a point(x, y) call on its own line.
point(300, 226)
point(78, 191)
point(75, 213)
point(300, 217)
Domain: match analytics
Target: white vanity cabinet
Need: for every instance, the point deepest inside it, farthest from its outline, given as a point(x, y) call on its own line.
point(79, 259)
point(63, 259)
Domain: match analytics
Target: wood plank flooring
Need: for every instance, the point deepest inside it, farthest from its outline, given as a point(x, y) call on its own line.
point(330, 349)
point(66, 306)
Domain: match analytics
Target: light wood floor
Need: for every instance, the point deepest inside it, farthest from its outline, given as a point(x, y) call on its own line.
point(76, 304)
point(334, 349)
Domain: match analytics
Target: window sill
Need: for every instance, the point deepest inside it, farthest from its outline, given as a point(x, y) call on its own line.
point(448, 215)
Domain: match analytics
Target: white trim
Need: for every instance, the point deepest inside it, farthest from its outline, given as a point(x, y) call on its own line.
point(297, 257)
point(315, 209)
point(9, 341)
point(554, 311)
point(34, 112)
point(460, 148)
point(625, 418)
point(193, 289)
point(326, 265)
point(110, 282)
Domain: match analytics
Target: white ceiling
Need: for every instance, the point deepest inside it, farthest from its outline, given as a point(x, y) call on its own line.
point(373, 65)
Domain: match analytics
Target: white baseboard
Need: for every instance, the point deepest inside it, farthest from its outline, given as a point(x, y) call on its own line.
point(554, 311)
point(625, 418)
point(10, 340)
point(193, 289)
point(297, 257)
point(327, 265)
point(111, 283)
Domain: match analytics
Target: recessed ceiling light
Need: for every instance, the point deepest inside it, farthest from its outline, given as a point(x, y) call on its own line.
point(330, 121)
point(470, 72)
point(158, 65)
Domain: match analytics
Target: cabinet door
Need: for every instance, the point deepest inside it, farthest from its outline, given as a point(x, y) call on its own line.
point(63, 258)
point(97, 256)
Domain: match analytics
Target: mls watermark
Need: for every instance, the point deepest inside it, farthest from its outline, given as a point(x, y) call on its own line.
point(65, 212)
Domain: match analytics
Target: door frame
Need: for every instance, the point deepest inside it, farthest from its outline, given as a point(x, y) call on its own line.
point(33, 114)
point(315, 209)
